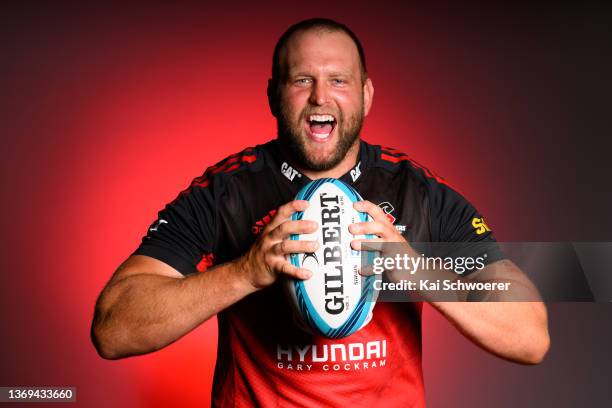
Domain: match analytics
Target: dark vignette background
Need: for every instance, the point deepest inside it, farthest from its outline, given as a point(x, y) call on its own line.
point(108, 111)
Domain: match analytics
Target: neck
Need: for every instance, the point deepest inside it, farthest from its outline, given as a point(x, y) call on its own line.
point(348, 162)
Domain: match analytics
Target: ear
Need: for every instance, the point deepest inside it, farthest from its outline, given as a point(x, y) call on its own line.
point(368, 96)
point(273, 97)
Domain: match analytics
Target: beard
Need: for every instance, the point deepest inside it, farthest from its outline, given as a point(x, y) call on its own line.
point(291, 137)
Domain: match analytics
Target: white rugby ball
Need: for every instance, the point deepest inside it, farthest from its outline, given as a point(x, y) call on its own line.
point(336, 301)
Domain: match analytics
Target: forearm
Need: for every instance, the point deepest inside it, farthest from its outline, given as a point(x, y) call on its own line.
point(517, 331)
point(144, 312)
point(511, 329)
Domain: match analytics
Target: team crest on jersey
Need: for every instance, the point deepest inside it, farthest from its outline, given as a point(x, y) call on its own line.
point(388, 208)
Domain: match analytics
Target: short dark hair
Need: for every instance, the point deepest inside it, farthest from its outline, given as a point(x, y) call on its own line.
point(324, 24)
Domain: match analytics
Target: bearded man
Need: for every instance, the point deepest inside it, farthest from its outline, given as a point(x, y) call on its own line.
point(220, 248)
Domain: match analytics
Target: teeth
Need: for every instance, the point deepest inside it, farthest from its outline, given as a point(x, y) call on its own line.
point(321, 118)
point(320, 135)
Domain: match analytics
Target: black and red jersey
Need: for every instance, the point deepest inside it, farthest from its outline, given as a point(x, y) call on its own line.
point(264, 358)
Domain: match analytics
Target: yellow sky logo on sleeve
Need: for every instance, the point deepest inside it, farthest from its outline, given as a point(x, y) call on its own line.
point(479, 226)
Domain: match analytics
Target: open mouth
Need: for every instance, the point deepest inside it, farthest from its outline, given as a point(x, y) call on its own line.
point(321, 126)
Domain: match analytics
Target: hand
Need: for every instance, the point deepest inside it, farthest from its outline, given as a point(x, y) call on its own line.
point(267, 258)
point(383, 230)
point(380, 226)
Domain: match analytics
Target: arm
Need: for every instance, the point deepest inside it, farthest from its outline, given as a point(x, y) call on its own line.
point(147, 304)
point(517, 331)
point(514, 330)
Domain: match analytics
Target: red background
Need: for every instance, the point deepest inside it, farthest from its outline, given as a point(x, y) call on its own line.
point(109, 111)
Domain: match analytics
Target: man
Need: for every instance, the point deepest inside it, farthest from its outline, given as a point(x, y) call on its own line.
point(232, 226)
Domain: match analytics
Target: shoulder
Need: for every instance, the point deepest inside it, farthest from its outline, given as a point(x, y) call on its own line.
point(402, 164)
point(250, 159)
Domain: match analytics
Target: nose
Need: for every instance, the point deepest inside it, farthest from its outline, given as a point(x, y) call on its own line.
point(319, 94)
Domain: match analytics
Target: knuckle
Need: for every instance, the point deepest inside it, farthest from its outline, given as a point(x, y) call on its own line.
point(282, 229)
point(266, 245)
point(279, 265)
point(286, 268)
point(268, 232)
point(289, 207)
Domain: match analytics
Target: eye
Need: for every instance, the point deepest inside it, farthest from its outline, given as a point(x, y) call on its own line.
point(303, 81)
point(339, 81)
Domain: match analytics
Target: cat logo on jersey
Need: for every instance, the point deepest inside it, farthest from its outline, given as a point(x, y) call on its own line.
point(356, 172)
point(289, 171)
point(479, 226)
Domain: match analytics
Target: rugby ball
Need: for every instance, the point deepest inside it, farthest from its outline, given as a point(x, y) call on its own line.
point(336, 301)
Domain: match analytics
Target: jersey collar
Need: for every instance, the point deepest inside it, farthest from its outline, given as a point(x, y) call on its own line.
point(282, 164)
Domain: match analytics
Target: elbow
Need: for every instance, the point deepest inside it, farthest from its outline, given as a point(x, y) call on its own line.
point(539, 339)
point(536, 349)
point(107, 338)
point(108, 353)
point(106, 334)
point(540, 353)
point(114, 343)
point(103, 343)
point(536, 338)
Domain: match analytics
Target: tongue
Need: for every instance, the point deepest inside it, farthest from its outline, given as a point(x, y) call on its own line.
point(321, 128)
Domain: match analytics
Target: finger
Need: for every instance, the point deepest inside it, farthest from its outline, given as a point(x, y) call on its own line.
point(368, 227)
point(294, 246)
point(375, 211)
point(373, 244)
point(366, 270)
point(287, 228)
point(291, 270)
point(286, 210)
